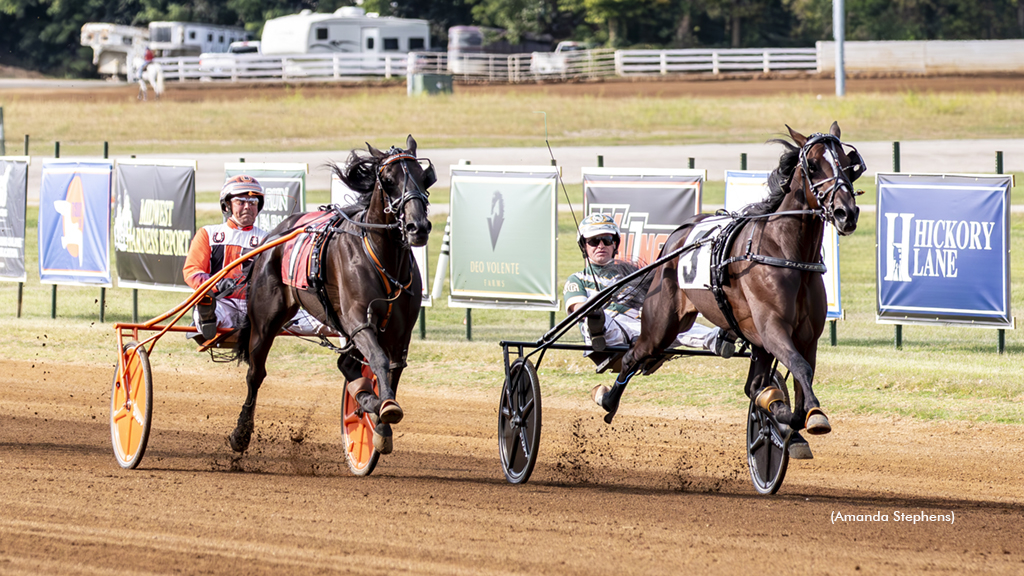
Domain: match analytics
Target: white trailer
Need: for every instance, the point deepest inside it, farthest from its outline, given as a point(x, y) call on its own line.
point(114, 47)
point(348, 29)
point(192, 38)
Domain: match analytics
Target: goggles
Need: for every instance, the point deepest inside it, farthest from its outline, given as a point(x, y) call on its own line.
point(599, 240)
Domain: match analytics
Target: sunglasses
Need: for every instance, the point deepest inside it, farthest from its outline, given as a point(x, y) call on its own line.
point(599, 240)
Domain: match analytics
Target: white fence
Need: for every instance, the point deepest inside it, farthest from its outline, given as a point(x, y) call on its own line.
point(654, 62)
point(584, 64)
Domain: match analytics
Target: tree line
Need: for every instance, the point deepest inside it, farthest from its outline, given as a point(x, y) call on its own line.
point(44, 35)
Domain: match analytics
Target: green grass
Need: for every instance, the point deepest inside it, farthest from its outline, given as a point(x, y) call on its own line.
point(500, 118)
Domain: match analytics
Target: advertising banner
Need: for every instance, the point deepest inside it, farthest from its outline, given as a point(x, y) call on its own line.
point(744, 187)
point(943, 249)
point(74, 222)
point(343, 196)
point(154, 222)
point(13, 195)
point(647, 204)
point(504, 224)
point(284, 189)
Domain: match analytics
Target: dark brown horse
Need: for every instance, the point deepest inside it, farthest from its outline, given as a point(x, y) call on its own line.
point(368, 287)
point(767, 275)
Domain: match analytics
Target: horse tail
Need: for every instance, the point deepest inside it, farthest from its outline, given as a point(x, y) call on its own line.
point(240, 351)
point(159, 77)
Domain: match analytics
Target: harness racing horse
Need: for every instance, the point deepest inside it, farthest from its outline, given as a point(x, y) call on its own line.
point(766, 285)
point(153, 74)
point(368, 289)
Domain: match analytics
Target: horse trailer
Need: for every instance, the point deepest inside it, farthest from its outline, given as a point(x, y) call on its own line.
point(114, 46)
point(192, 38)
point(348, 29)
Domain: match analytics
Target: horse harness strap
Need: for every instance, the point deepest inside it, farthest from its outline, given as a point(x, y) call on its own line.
point(393, 288)
point(720, 248)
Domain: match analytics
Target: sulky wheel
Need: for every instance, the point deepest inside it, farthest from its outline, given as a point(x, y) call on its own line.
point(357, 433)
point(767, 450)
point(519, 421)
point(131, 407)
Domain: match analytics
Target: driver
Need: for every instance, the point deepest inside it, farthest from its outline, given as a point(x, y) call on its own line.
point(619, 321)
point(241, 200)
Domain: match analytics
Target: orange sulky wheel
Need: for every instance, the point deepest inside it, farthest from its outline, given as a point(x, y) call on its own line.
point(131, 407)
point(357, 432)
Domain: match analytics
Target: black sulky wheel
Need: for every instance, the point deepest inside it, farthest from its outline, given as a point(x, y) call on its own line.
point(519, 421)
point(767, 450)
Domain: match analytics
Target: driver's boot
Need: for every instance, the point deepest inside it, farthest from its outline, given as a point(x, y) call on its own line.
point(206, 310)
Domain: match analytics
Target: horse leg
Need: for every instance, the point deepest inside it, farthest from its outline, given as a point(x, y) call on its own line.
point(808, 414)
point(665, 304)
point(388, 411)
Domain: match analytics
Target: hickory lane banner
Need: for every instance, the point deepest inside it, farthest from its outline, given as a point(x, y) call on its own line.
point(154, 222)
point(943, 249)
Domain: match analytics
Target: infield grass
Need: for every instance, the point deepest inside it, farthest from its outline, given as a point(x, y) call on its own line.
point(494, 119)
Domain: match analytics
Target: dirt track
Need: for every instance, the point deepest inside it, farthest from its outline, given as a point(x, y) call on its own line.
point(650, 495)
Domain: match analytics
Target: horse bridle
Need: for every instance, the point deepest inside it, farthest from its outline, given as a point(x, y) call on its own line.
point(416, 192)
point(826, 198)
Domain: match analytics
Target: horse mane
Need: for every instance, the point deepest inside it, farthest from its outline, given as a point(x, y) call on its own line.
point(360, 174)
point(778, 180)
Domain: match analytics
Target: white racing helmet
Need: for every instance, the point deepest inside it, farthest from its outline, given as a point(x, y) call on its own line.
point(597, 225)
point(241, 185)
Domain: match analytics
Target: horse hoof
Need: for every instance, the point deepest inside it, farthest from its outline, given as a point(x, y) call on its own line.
point(817, 423)
point(383, 439)
point(799, 449)
point(237, 443)
point(598, 394)
point(390, 413)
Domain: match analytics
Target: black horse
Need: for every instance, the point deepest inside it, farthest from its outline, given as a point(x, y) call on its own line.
point(367, 289)
point(766, 287)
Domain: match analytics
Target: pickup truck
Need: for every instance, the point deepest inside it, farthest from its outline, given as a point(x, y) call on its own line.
point(556, 62)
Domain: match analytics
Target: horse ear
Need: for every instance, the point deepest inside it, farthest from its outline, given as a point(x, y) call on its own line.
point(410, 145)
point(834, 129)
point(373, 151)
point(798, 138)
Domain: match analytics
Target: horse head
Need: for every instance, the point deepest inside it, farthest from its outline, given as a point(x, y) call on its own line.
point(828, 169)
point(403, 180)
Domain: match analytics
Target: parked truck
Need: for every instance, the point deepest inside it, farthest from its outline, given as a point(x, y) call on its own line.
point(557, 62)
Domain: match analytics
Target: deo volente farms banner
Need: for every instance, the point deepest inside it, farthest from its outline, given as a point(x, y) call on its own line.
point(943, 249)
point(74, 222)
point(504, 237)
point(13, 195)
point(284, 189)
point(646, 203)
point(154, 222)
point(744, 187)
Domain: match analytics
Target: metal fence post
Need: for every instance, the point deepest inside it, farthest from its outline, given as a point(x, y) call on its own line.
point(1001, 346)
point(896, 168)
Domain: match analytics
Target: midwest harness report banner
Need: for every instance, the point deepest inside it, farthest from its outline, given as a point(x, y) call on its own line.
point(504, 229)
point(154, 222)
point(943, 249)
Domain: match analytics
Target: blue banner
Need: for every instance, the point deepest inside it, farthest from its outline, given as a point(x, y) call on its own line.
point(744, 187)
point(943, 249)
point(74, 222)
